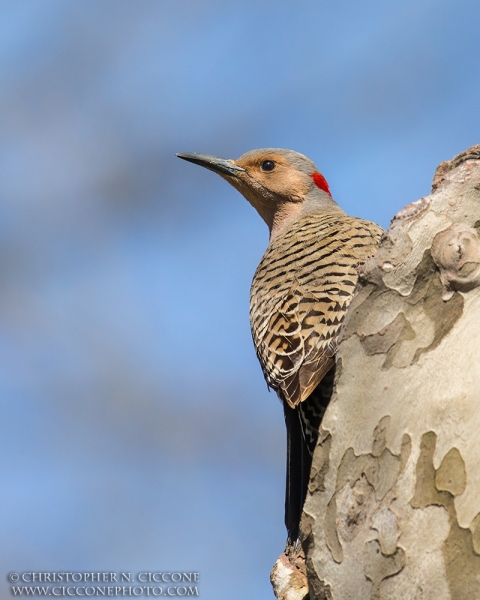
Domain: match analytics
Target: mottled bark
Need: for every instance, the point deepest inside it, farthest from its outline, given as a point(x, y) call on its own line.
point(393, 509)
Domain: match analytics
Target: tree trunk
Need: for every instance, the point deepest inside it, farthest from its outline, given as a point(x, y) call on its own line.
point(393, 509)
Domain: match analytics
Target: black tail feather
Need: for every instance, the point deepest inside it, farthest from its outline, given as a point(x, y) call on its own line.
point(298, 470)
point(302, 424)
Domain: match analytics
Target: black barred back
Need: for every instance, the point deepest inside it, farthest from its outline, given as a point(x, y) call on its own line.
point(299, 296)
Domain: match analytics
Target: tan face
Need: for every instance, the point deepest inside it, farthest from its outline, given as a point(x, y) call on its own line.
point(273, 172)
point(275, 181)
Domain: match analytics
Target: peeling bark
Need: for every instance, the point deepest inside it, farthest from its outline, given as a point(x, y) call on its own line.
point(288, 577)
point(393, 508)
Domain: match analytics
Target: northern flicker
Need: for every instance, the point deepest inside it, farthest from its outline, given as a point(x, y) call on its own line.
point(300, 291)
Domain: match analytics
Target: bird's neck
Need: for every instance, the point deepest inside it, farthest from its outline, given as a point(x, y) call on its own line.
point(287, 213)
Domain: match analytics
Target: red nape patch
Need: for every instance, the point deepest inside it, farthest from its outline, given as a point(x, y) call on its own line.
point(320, 182)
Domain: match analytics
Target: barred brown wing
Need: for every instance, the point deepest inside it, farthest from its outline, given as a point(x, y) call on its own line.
point(300, 293)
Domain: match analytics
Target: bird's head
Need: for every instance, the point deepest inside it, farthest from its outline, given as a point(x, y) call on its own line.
point(280, 184)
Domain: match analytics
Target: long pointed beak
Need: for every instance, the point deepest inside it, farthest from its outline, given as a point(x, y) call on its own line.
point(222, 166)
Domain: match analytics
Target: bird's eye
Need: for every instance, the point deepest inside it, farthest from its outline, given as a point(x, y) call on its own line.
point(267, 165)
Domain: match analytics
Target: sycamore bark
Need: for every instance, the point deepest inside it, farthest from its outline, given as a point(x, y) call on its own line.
point(393, 509)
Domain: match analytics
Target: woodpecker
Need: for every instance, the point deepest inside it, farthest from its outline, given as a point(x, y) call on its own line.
point(300, 292)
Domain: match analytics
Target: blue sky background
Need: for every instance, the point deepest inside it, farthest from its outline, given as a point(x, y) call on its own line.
point(136, 429)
